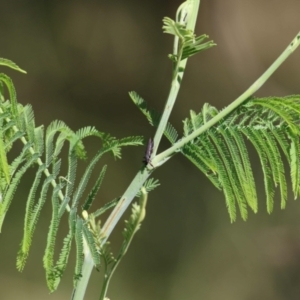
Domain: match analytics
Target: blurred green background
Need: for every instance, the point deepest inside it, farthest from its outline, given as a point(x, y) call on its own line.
point(82, 58)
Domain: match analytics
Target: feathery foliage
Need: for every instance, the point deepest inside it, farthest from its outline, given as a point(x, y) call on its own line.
point(272, 126)
point(42, 155)
point(153, 117)
point(79, 251)
point(220, 151)
point(149, 185)
point(189, 44)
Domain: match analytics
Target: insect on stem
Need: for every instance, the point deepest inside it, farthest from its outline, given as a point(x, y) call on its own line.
point(148, 153)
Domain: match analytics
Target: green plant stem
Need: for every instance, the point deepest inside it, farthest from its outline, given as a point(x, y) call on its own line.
point(158, 160)
point(189, 11)
point(175, 86)
point(166, 114)
point(125, 201)
point(114, 217)
point(161, 158)
point(87, 269)
point(126, 242)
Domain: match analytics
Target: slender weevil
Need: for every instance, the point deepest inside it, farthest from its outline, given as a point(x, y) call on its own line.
point(148, 153)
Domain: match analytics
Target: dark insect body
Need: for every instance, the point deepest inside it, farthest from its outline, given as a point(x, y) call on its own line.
point(149, 150)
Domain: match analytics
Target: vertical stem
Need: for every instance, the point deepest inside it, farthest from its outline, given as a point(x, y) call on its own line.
point(175, 85)
point(87, 268)
point(187, 12)
point(114, 217)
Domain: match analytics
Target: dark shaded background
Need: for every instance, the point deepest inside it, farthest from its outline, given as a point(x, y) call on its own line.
point(82, 58)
